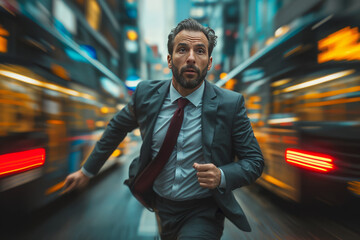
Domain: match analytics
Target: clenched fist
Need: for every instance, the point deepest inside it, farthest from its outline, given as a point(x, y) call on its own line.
point(209, 176)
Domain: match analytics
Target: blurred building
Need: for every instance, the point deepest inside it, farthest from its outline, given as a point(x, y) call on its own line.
point(244, 27)
point(128, 19)
point(258, 23)
point(156, 19)
point(105, 31)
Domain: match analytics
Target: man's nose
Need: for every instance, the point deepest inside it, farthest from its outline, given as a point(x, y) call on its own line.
point(191, 57)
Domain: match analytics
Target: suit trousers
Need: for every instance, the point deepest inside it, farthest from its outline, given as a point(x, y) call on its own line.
point(189, 219)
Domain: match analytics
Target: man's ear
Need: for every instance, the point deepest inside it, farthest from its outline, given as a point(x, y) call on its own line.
point(210, 63)
point(169, 61)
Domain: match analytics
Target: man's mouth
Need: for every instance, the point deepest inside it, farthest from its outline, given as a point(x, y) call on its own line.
point(190, 70)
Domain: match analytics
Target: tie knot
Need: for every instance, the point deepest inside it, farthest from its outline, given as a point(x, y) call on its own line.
point(182, 102)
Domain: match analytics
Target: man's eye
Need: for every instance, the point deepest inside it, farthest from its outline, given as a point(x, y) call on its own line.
point(201, 51)
point(181, 49)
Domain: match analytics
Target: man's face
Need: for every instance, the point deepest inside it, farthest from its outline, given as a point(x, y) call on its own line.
point(190, 60)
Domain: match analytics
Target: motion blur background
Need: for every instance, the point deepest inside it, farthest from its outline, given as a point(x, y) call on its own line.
point(66, 66)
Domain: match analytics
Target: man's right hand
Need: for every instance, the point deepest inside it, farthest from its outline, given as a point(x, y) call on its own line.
point(76, 180)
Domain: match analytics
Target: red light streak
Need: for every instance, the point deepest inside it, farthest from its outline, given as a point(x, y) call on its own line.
point(12, 163)
point(310, 160)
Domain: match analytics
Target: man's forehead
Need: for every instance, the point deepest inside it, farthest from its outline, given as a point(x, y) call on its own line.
point(190, 36)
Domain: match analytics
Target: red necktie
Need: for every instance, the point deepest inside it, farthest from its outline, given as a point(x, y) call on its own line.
point(144, 181)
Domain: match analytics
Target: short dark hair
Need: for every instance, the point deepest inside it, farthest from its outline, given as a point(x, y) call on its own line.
point(191, 25)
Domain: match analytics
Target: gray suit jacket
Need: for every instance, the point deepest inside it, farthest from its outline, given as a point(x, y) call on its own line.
point(226, 133)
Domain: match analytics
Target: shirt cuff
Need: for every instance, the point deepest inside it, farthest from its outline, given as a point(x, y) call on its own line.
point(222, 185)
point(86, 173)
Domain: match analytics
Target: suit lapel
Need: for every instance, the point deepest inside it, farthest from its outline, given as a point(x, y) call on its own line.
point(155, 104)
point(210, 105)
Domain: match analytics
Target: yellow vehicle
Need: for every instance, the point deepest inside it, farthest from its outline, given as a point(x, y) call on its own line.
point(303, 98)
point(54, 106)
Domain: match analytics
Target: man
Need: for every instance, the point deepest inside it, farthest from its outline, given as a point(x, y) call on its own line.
point(192, 191)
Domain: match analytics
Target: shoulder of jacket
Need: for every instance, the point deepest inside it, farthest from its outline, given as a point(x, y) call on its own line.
point(151, 83)
point(147, 88)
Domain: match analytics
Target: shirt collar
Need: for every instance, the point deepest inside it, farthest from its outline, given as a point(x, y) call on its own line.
point(195, 97)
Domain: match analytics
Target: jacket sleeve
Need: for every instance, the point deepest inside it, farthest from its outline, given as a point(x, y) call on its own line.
point(123, 122)
point(250, 162)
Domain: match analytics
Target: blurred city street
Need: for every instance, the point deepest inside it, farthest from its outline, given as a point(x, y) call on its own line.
point(67, 67)
point(107, 210)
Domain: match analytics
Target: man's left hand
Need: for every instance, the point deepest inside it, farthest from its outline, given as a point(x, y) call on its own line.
point(209, 176)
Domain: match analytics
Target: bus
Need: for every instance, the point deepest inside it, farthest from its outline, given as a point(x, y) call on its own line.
point(303, 99)
point(55, 102)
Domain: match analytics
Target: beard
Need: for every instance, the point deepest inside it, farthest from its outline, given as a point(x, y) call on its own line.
point(191, 84)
